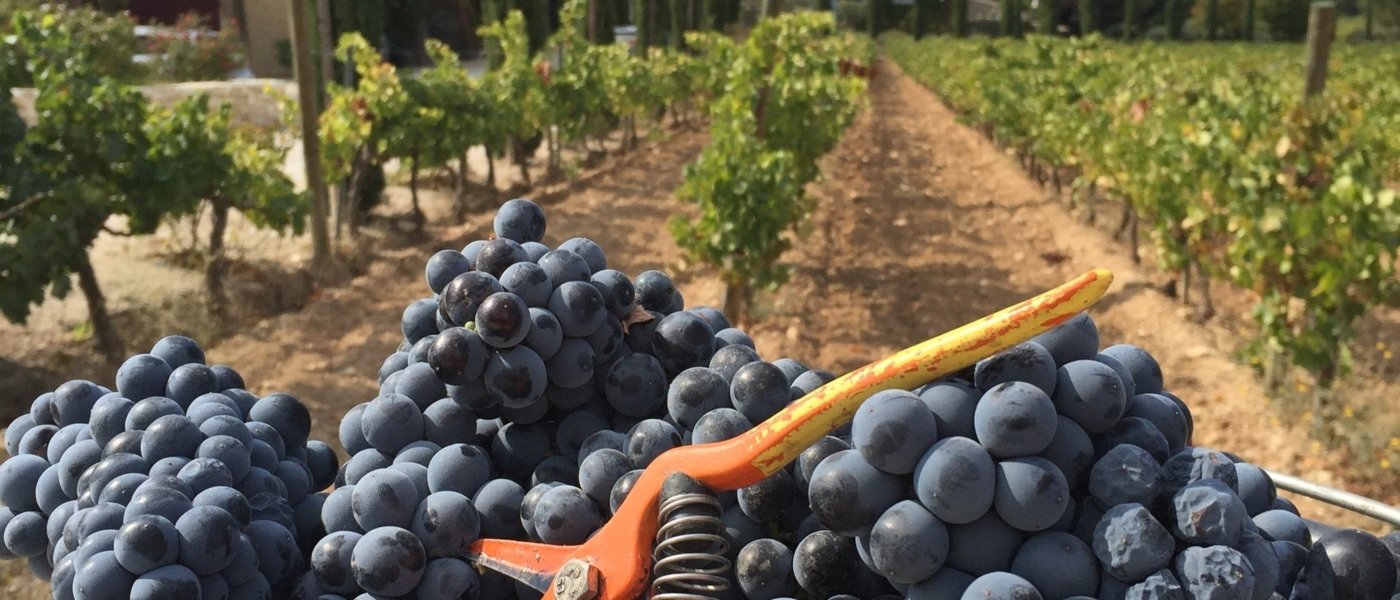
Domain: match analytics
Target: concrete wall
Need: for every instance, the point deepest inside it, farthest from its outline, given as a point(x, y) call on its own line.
point(254, 101)
point(269, 22)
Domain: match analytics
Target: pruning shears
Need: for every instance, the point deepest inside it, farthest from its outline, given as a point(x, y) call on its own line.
point(615, 564)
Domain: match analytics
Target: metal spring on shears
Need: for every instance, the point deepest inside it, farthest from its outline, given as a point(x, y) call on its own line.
point(689, 561)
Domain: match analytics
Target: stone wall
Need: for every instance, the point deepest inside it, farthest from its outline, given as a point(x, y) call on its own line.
point(254, 101)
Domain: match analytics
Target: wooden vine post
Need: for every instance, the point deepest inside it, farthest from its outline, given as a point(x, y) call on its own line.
point(1322, 27)
point(311, 144)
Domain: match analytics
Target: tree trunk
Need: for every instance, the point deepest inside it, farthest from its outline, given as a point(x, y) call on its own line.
point(418, 218)
point(490, 170)
point(1212, 20)
point(1174, 20)
point(1370, 29)
point(874, 19)
point(1248, 20)
point(960, 18)
point(108, 340)
point(677, 20)
point(736, 302)
point(460, 210)
point(1088, 10)
point(217, 266)
point(1130, 19)
point(1049, 12)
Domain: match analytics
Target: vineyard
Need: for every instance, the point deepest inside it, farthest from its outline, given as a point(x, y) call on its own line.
point(1213, 155)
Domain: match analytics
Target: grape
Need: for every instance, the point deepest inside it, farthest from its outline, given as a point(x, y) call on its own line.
point(1350, 564)
point(563, 266)
point(1015, 419)
point(1058, 564)
point(565, 515)
point(1165, 414)
point(1291, 558)
point(545, 335)
point(295, 476)
point(420, 384)
point(207, 535)
point(498, 506)
point(25, 535)
point(764, 570)
point(892, 430)
point(1028, 363)
point(953, 403)
point(461, 468)
point(204, 473)
point(654, 290)
point(528, 281)
point(622, 488)
point(101, 577)
point(458, 302)
point(727, 360)
point(170, 435)
point(19, 476)
point(337, 514)
point(520, 220)
point(499, 254)
point(599, 472)
point(388, 561)
point(648, 439)
point(1091, 393)
point(203, 412)
point(1208, 513)
point(682, 340)
point(808, 460)
point(1147, 375)
point(36, 440)
point(178, 350)
point(352, 435)
point(609, 342)
point(1264, 562)
point(1001, 586)
point(733, 336)
point(457, 356)
point(1071, 450)
point(825, 563)
point(1215, 572)
point(1031, 493)
point(636, 386)
point(982, 546)
point(848, 494)
point(75, 462)
point(364, 462)
point(1195, 464)
point(946, 584)
point(330, 561)
point(1125, 474)
point(449, 578)
point(229, 499)
point(694, 393)
point(603, 439)
point(590, 251)
point(391, 422)
point(41, 411)
point(759, 390)
point(766, 500)
point(190, 381)
point(503, 320)
point(571, 365)
point(908, 544)
point(72, 402)
point(518, 449)
point(619, 295)
point(146, 411)
point(447, 523)
point(516, 377)
point(384, 498)
point(1256, 488)
point(578, 306)
point(419, 319)
point(443, 424)
point(15, 432)
point(143, 376)
point(1281, 525)
point(417, 353)
point(279, 559)
point(1075, 339)
point(720, 424)
point(146, 543)
point(1162, 584)
point(1137, 432)
point(1130, 543)
point(574, 428)
point(230, 452)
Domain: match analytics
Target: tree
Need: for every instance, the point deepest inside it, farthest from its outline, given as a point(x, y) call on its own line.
point(1088, 17)
point(1048, 13)
point(923, 17)
point(1011, 18)
point(1175, 18)
point(1130, 19)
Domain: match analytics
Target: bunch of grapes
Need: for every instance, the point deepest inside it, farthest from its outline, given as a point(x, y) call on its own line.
point(1054, 470)
point(535, 384)
point(180, 484)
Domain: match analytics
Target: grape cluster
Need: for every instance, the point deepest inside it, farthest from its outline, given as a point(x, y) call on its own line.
point(1055, 470)
point(180, 484)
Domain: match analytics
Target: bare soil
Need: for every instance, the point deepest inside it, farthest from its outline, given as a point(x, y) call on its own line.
point(921, 224)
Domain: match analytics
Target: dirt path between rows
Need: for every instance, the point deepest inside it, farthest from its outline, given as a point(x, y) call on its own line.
point(924, 224)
